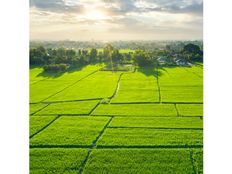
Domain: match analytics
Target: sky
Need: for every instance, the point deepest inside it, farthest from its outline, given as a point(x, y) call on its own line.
point(110, 20)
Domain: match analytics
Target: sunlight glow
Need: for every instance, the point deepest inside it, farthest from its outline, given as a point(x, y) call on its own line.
point(95, 15)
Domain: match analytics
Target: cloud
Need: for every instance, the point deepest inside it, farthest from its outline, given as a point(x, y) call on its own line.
point(116, 18)
point(59, 6)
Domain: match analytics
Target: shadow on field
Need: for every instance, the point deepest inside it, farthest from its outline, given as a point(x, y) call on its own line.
point(152, 71)
point(71, 69)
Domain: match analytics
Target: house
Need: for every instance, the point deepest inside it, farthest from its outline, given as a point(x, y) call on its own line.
point(162, 60)
point(182, 62)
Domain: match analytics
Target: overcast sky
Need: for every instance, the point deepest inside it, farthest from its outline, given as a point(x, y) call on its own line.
point(116, 19)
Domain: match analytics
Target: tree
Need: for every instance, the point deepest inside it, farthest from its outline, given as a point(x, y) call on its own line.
point(192, 52)
point(191, 48)
point(143, 58)
point(38, 56)
point(107, 53)
point(93, 55)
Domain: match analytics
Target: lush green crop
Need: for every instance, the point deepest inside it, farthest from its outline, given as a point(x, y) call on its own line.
point(143, 136)
point(37, 123)
point(137, 87)
point(180, 85)
point(149, 161)
point(57, 82)
point(71, 131)
point(35, 107)
point(80, 107)
point(132, 129)
point(59, 161)
point(98, 85)
point(190, 109)
point(136, 110)
point(181, 94)
point(198, 160)
point(35, 75)
point(157, 122)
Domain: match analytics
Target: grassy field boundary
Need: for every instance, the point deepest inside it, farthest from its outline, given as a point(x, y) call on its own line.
point(117, 87)
point(94, 107)
point(71, 85)
point(159, 128)
point(192, 161)
point(114, 103)
point(156, 103)
point(177, 111)
point(93, 146)
point(115, 115)
point(82, 166)
point(40, 109)
point(38, 81)
point(121, 146)
point(186, 69)
point(47, 125)
point(67, 101)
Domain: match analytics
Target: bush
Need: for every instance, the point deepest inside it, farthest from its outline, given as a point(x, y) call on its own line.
point(56, 67)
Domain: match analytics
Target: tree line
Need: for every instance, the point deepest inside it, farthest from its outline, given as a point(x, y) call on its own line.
point(61, 59)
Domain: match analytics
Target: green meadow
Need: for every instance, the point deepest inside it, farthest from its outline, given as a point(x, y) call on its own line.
point(101, 122)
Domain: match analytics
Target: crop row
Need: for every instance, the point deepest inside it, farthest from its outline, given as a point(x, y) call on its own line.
point(108, 161)
point(86, 107)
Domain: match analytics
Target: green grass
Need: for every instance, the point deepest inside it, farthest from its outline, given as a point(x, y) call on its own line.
point(126, 50)
point(99, 85)
point(180, 85)
point(133, 161)
point(71, 131)
point(190, 109)
point(198, 160)
point(35, 107)
point(181, 94)
point(37, 123)
point(197, 70)
point(157, 122)
point(80, 107)
point(137, 87)
point(34, 75)
point(135, 125)
point(143, 137)
point(136, 110)
point(57, 82)
point(59, 161)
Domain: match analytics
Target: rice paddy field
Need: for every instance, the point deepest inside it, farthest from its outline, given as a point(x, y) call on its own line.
point(88, 121)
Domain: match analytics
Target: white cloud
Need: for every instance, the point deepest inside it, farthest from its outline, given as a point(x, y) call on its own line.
point(115, 19)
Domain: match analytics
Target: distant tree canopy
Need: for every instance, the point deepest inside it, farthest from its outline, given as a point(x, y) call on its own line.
point(144, 58)
point(192, 52)
point(111, 56)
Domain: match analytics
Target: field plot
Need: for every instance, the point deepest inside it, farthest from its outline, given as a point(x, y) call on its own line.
point(179, 85)
point(36, 107)
point(149, 161)
point(57, 82)
point(157, 122)
point(98, 85)
point(71, 131)
point(102, 122)
point(190, 109)
point(137, 87)
point(34, 75)
point(37, 123)
point(197, 70)
point(59, 161)
point(80, 107)
point(136, 110)
point(150, 137)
